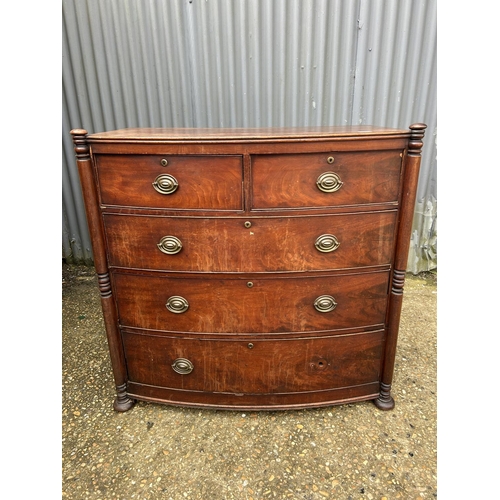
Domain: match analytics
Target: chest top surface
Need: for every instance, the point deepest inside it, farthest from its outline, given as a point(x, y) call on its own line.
point(244, 134)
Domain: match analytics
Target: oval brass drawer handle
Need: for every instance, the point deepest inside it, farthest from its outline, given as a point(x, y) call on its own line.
point(165, 184)
point(329, 182)
point(326, 243)
point(170, 245)
point(325, 303)
point(182, 366)
point(177, 304)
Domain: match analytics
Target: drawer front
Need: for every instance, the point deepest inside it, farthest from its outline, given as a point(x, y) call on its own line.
point(269, 244)
point(293, 181)
point(262, 366)
point(185, 182)
point(251, 304)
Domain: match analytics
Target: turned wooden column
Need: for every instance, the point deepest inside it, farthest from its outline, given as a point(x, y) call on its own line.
point(82, 152)
point(409, 192)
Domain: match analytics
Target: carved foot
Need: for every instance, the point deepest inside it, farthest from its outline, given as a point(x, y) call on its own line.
point(384, 401)
point(122, 401)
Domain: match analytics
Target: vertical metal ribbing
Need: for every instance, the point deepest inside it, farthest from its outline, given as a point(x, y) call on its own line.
point(239, 64)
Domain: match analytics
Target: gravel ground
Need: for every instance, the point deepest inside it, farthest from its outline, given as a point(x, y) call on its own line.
point(351, 452)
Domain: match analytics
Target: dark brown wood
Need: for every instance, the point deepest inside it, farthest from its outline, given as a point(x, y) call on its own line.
point(409, 191)
point(272, 304)
point(289, 181)
point(251, 401)
point(260, 367)
point(209, 182)
point(221, 244)
point(274, 134)
point(89, 191)
point(266, 145)
point(248, 212)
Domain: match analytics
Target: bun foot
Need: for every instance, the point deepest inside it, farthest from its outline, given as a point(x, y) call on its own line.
point(384, 401)
point(122, 401)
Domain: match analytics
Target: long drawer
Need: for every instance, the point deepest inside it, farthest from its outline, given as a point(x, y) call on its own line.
point(260, 366)
point(251, 245)
point(325, 180)
point(181, 182)
point(251, 304)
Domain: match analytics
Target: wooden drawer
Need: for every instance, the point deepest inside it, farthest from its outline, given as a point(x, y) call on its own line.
point(290, 180)
point(203, 182)
point(269, 244)
point(260, 366)
point(270, 304)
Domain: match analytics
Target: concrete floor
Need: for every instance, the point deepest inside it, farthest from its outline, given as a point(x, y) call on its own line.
point(154, 451)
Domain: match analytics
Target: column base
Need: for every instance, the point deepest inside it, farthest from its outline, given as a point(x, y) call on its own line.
point(122, 401)
point(384, 401)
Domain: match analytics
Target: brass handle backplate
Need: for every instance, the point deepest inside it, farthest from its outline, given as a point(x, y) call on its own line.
point(170, 245)
point(177, 304)
point(329, 182)
point(325, 303)
point(326, 243)
point(165, 184)
point(182, 366)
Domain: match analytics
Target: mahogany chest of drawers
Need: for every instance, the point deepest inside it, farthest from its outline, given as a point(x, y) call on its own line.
point(251, 268)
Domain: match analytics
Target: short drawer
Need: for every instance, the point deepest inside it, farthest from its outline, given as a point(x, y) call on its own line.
point(258, 366)
point(251, 245)
point(251, 304)
point(325, 179)
point(180, 182)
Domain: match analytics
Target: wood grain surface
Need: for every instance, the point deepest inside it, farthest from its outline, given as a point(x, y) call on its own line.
point(272, 304)
point(269, 366)
point(210, 182)
point(289, 181)
point(211, 244)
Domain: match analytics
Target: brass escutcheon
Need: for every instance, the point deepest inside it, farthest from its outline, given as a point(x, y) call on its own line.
point(170, 245)
point(248, 224)
point(330, 159)
point(250, 345)
point(164, 162)
point(249, 284)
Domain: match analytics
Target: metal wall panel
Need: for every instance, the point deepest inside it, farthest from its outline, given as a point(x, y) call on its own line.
point(249, 63)
point(396, 86)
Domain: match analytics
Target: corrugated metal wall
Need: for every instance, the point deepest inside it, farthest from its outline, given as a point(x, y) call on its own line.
point(227, 63)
